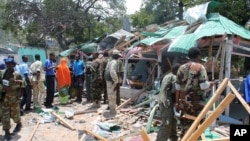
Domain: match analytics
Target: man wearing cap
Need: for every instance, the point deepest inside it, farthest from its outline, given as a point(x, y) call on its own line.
point(12, 83)
point(37, 81)
point(112, 69)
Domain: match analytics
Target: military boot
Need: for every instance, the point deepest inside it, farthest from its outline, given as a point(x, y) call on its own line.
point(7, 136)
point(18, 127)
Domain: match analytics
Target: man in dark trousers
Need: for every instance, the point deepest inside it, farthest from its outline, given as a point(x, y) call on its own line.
point(49, 67)
point(166, 97)
point(26, 92)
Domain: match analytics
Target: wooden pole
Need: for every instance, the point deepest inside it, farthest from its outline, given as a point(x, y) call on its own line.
point(62, 120)
point(34, 130)
point(95, 135)
point(237, 94)
point(229, 47)
point(222, 62)
point(144, 135)
point(222, 139)
point(215, 114)
point(205, 109)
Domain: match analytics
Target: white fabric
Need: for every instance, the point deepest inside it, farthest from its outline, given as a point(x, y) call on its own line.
point(204, 85)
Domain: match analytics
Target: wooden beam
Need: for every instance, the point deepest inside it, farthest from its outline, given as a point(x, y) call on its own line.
point(144, 135)
point(210, 49)
point(34, 130)
point(95, 135)
point(215, 114)
point(187, 116)
point(238, 95)
point(206, 108)
point(62, 120)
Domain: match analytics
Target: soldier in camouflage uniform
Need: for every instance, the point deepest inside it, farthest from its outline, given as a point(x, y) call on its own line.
point(97, 85)
point(88, 77)
point(104, 58)
point(191, 81)
point(12, 84)
point(166, 103)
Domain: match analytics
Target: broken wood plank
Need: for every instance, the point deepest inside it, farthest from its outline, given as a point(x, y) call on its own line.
point(95, 135)
point(62, 120)
point(215, 114)
point(144, 135)
point(206, 108)
point(187, 116)
point(34, 130)
point(84, 112)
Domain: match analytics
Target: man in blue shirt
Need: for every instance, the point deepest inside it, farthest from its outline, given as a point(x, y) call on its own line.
point(78, 77)
point(49, 67)
point(26, 92)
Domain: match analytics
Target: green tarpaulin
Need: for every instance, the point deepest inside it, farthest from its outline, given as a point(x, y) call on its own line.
point(87, 48)
point(216, 24)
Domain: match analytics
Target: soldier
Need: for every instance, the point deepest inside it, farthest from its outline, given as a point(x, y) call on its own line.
point(104, 58)
point(191, 81)
point(97, 85)
point(166, 97)
point(12, 83)
point(88, 77)
point(112, 80)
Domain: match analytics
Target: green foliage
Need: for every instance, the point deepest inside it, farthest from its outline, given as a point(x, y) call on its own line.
point(67, 21)
point(160, 11)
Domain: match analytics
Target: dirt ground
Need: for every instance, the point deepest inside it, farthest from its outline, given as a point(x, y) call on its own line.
point(56, 131)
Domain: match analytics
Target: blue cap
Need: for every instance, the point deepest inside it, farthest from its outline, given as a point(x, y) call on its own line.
point(9, 60)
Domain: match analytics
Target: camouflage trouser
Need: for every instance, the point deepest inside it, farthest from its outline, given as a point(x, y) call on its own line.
point(168, 127)
point(111, 95)
point(39, 92)
point(191, 104)
point(97, 89)
point(88, 87)
point(10, 109)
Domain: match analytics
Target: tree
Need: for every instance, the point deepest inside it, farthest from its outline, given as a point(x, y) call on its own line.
point(67, 21)
point(161, 11)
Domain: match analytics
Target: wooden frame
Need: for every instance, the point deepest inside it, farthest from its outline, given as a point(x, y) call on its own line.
point(196, 130)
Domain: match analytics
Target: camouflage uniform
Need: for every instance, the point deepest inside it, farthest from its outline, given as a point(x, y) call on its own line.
point(105, 95)
point(97, 85)
point(11, 108)
point(189, 78)
point(88, 84)
point(166, 102)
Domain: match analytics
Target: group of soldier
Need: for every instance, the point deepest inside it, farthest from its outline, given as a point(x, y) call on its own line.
point(183, 89)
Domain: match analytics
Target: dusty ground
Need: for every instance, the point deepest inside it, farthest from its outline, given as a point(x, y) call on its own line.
point(55, 131)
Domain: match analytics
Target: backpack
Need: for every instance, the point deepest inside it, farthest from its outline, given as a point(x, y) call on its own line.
point(107, 75)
